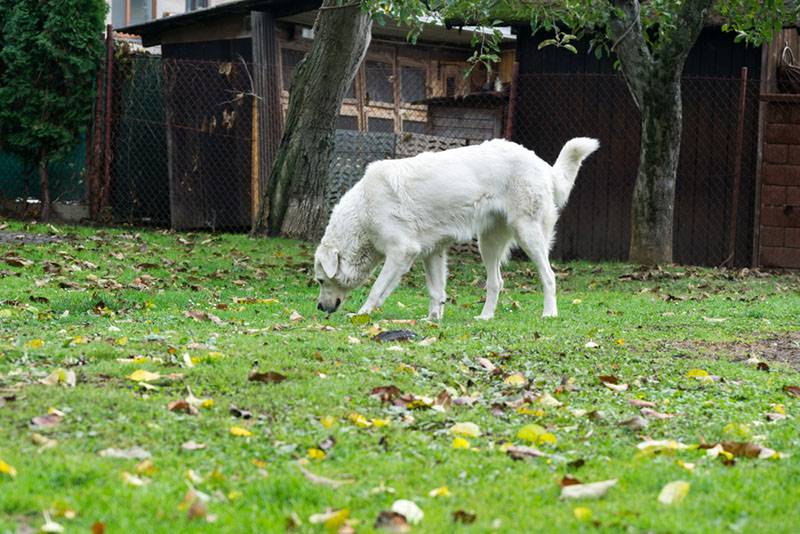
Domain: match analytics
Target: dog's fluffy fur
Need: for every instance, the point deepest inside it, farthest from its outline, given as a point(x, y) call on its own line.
point(417, 207)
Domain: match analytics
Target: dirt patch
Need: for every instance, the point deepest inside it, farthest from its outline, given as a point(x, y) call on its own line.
point(780, 348)
point(26, 238)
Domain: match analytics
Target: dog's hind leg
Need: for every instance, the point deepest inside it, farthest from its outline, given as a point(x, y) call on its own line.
point(395, 266)
point(493, 244)
point(532, 240)
point(436, 280)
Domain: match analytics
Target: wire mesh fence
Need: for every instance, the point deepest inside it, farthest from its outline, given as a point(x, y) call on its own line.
point(183, 136)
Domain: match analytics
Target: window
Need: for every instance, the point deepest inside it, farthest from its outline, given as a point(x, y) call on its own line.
point(414, 126)
point(192, 5)
point(413, 84)
point(376, 124)
point(450, 86)
point(289, 60)
point(127, 12)
point(380, 82)
point(346, 122)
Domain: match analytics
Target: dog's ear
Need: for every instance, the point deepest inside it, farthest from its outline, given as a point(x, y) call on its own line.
point(329, 259)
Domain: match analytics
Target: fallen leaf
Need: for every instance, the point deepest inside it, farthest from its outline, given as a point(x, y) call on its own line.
point(141, 375)
point(674, 492)
point(635, 423)
point(486, 364)
point(239, 431)
point(460, 443)
point(322, 481)
point(591, 345)
point(43, 441)
point(522, 452)
point(409, 510)
point(50, 525)
point(656, 415)
point(657, 446)
point(316, 454)
point(330, 519)
point(193, 446)
point(464, 517)
point(466, 429)
point(642, 403)
point(587, 491)
point(182, 406)
point(792, 391)
point(428, 341)
point(612, 382)
point(133, 480)
point(548, 401)
point(569, 480)
point(295, 317)
point(60, 376)
point(240, 413)
point(441, 491)
point(268, 377)
point(516, 380)
point(134, 453)
point(6, 469)
point(50, 420)
point(391, 521)
point(582, 513)
point(98, 528)
point(536, 434)
point(203, 316)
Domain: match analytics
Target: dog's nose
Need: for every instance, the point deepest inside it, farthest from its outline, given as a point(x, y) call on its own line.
point(319, 306)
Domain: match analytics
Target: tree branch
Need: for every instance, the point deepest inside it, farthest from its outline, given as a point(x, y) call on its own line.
point(630, 46)
point(675, 43)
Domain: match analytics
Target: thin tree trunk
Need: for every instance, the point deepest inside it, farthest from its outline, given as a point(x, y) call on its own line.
point(45, 190)
point(294, 203)
point(653, 202)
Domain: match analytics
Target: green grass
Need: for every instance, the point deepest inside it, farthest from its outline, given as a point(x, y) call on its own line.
point(137, 285)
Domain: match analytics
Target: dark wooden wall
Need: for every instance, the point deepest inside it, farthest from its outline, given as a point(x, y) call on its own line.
point(563, 95)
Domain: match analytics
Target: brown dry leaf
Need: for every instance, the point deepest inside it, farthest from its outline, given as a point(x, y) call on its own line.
point(569, 480)
point(182, 406)
point(522, 452)
point(464, 517)
point(203, 316)
point(60, 376)
point(487, 364)
point(639, 403)
point(50, 420)
point(386, 394)
point(98, 528)
point(792, 391)
point(295, 317)
point(442, 401)
point(635, 423)
point(656, 415)
point(268, 377)
point(391, 521)
point(15, 261)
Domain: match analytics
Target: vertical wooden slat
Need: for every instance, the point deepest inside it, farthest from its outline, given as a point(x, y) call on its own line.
point(267, 80)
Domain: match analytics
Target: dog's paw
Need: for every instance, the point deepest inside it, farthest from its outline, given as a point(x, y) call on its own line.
point(550, 314)
point(483, 317)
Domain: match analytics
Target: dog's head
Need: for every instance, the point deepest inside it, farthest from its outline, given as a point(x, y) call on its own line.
point(328, 271)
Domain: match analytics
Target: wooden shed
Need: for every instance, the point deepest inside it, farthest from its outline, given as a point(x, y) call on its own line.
point(220, 147)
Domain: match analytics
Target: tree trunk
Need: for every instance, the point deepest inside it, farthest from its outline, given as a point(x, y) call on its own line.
point(653, 202)
point(45, 190)
point(294, 203)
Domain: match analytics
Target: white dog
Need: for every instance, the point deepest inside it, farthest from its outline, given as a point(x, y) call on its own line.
point(403, 209)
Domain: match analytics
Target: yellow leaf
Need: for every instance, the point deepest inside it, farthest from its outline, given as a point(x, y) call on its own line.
point(6, 469)
point(674, 492)
point(360, 320)
point(697, 373)
point(442, 491)
point(460, 443)
point(35, 344)
point(378, 423)
point(316, 454)
point(737, 429)
point(143, 376)
point(536, 434)
point(516, 380)
point(466, 429)
point(524, 410)
point(620, 341)
point(327, 421)
point(779, 408)
point(239, 431)
point(582, 513)
point(337, 519)
point(122, 341)
point(207, 403)
point(359, 420)
point(79, 340)
point(261, 464)
point(686, 465)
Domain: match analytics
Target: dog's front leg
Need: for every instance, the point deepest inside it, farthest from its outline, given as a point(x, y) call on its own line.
point(392, 272)
point(436, 280)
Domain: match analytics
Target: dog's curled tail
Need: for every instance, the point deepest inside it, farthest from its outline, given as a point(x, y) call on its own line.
point(568, 164)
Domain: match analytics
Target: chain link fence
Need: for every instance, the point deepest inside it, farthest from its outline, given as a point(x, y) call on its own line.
point(182, 140)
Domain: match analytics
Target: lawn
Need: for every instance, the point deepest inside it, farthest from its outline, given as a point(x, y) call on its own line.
point(141, 321)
